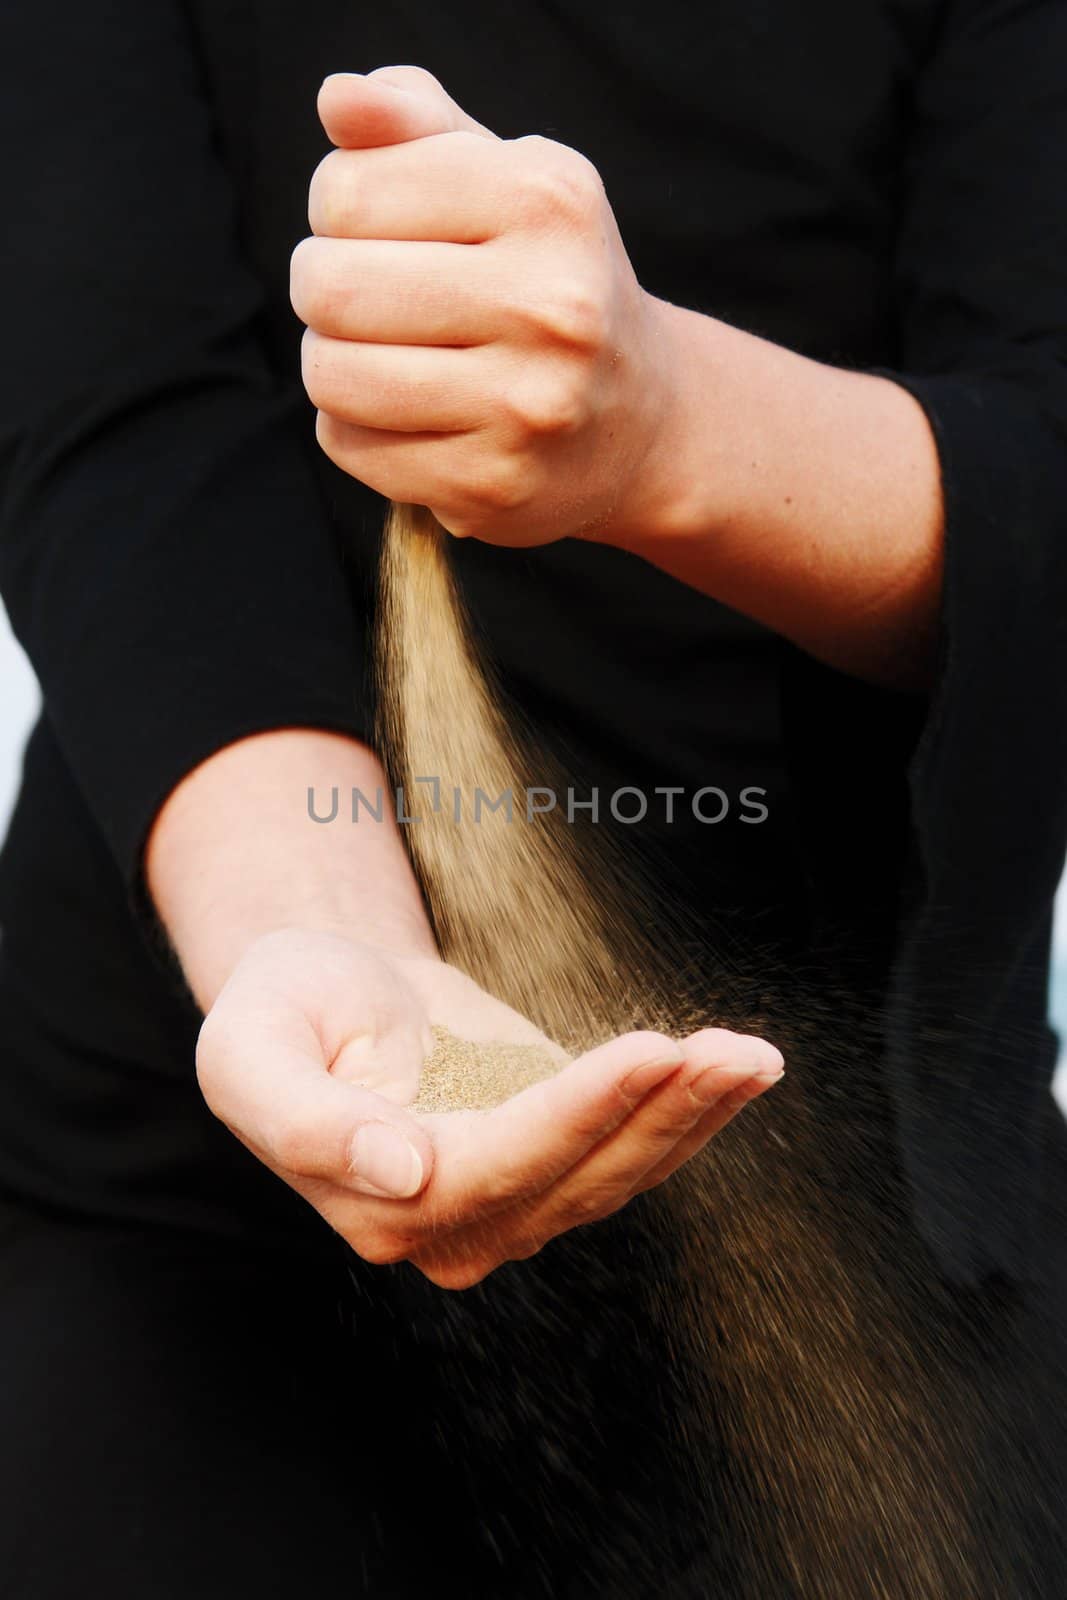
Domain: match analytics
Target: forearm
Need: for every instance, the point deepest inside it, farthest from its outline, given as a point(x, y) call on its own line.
point(234, 855)
point(803, 495)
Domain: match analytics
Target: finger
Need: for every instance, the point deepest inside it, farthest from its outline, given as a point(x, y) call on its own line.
point(388, 291)
point(701, 1134)
point(489, 1160)
point(387, 106)
point(404, 388)
point(719, 1113)
point(458, 187)
point(267, 1080)
point(592, 1189)
point(443, 471)
point(682, 1114)
point(608, 1175)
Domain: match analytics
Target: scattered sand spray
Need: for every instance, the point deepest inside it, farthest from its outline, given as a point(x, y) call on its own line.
point(792, 1325)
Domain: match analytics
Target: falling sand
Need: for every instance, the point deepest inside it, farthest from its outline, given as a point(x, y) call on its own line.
point(786, 1299)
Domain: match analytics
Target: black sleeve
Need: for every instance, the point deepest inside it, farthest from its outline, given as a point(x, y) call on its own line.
point(981, 275)
point(166, 557)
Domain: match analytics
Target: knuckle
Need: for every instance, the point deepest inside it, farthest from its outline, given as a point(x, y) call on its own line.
point(504, 487)
point(552, 406)
point(526, 1251)
point(467, 144)
point(317, 370)
point(313, 291)
point(293, 1146)
point(598, 1200)
point(330, 193)
point(215, 1048)
point(382, 1249)
point(334, 439)
point(572, 312)
point(207, 1041)
point(299, 266)
point(590, 1207)
point(327, 434)
point(456, 523)
point(456, 1274)
point(407, 77)
point(558, 183)
point(577, 314)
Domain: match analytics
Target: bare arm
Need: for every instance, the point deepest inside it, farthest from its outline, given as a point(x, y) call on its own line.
point(308, 948)
point(478, 342)
point(234, 855)
point(803, 495)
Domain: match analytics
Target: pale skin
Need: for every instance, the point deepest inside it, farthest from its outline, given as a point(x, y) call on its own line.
point(477, 342)
point(308, 949)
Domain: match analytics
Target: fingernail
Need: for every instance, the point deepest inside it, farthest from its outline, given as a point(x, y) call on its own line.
point(647, 1076)
point(768, 1062)
point(758, 1083)
point(708, 1087)
point(385, 1162)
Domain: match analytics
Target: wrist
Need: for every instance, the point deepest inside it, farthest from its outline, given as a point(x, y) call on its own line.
point(213, 938)
point(234, 856)
point(405, 942)
point(686, 482)
point(803, 495)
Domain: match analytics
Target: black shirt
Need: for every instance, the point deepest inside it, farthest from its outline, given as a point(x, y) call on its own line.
point(876, 183)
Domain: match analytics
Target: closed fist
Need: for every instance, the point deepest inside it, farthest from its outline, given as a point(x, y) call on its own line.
point(476, 340)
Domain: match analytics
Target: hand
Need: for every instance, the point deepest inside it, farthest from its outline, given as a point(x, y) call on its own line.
point(478, 343)
point(477, 340)
point(311, 1055)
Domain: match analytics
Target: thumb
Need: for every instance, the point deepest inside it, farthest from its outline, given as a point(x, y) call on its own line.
point(280, 1100)
point(389, 106)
